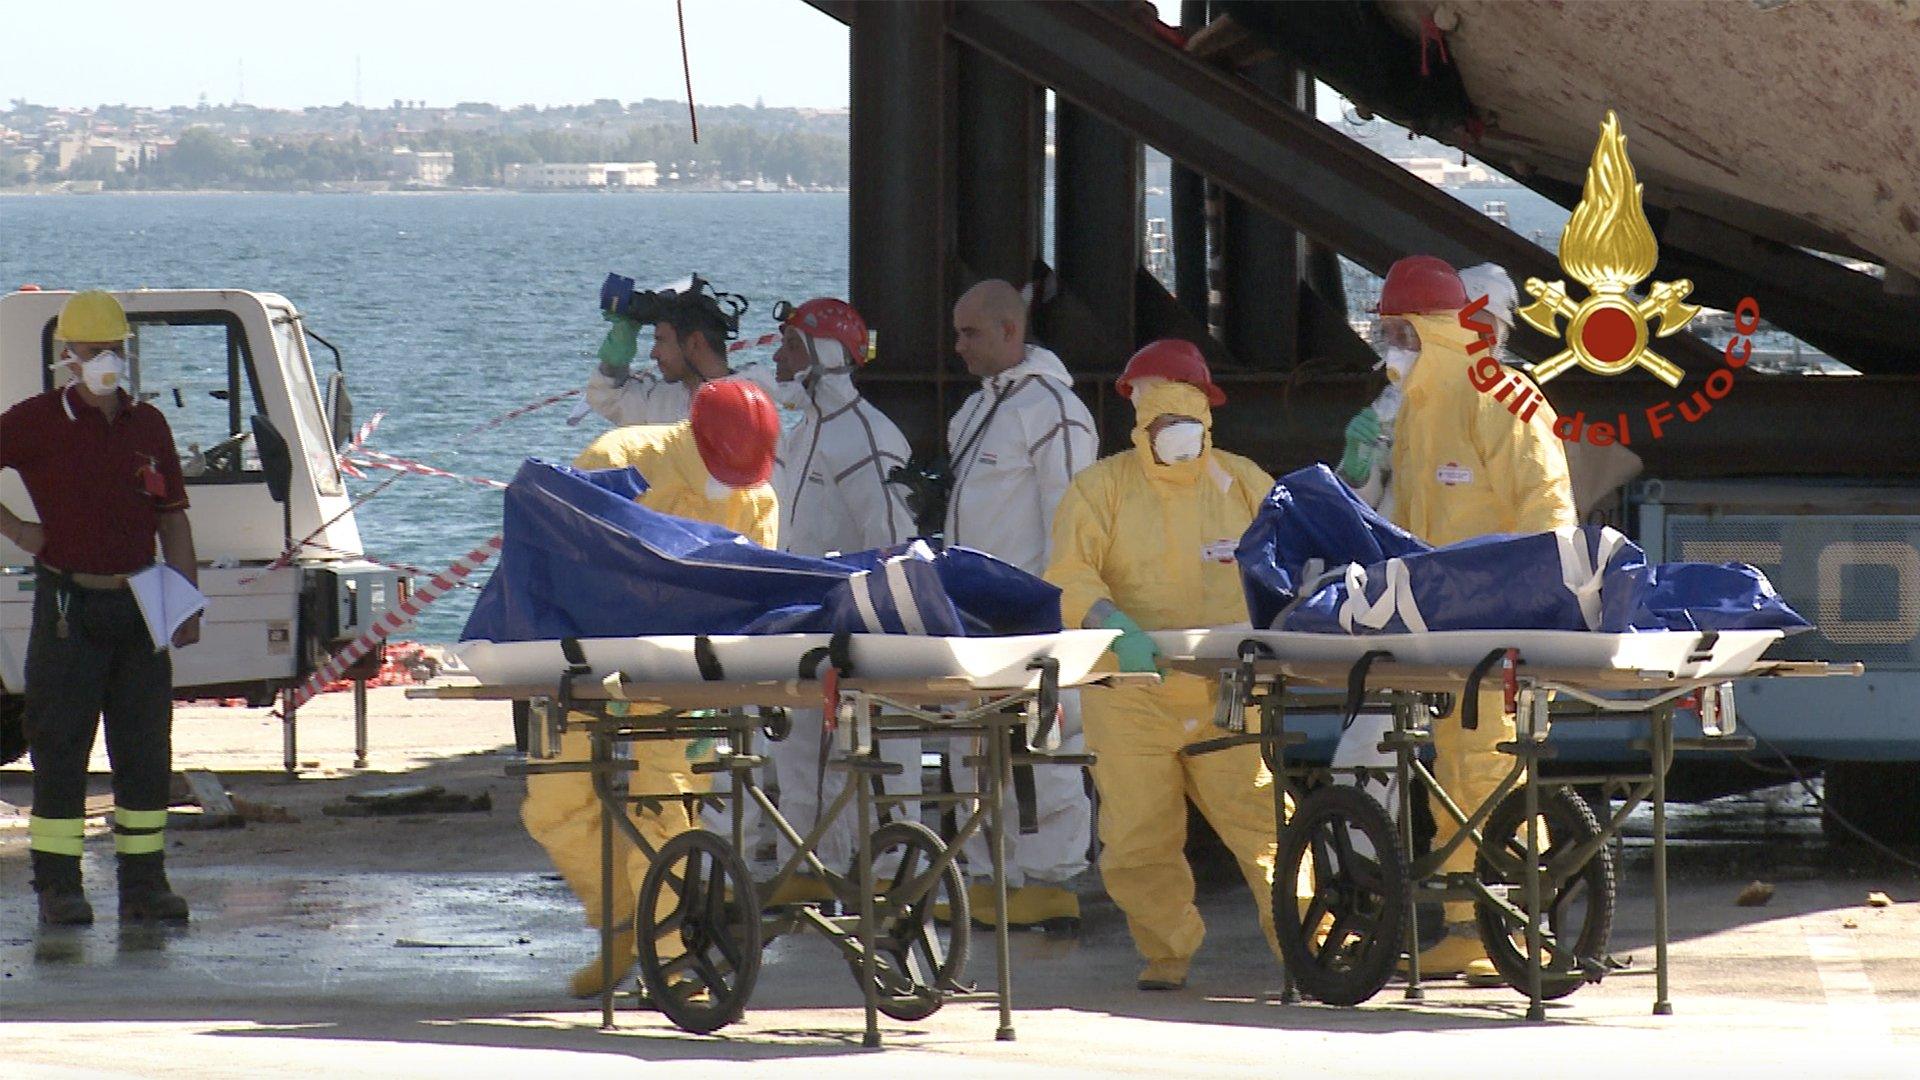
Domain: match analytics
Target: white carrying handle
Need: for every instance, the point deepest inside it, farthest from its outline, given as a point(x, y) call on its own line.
point(1396, 598)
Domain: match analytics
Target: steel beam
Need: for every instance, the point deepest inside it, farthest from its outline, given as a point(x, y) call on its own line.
point(998, 216)
point(1096, 241)
point(1262, 260)
point(1189, 197)
point(1290, 166)
point(900, 202)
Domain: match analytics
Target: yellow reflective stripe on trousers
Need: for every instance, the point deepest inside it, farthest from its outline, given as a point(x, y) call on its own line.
point(140, 843)
point(56, 836)
point(139, 832)
point(140, 819)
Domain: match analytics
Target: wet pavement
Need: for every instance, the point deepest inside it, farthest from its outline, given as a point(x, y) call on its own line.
point(456, 974)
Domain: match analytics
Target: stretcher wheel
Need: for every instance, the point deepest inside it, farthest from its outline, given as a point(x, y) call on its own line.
point(699, 932)
point(1579, 906)
point(916, 960)
point(1340, 946)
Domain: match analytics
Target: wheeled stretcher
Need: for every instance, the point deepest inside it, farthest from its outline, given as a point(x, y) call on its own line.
point(1543, 896)
point(697, 914)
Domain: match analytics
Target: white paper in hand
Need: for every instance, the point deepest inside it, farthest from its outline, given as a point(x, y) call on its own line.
point(167, 599)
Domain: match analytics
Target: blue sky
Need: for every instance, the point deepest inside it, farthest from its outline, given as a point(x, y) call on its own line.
point(548, 52)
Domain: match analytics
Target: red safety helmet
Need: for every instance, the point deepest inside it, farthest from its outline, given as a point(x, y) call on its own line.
point(1171, 358)
point(823, 317)
point(735, 426)
point(1421, 285)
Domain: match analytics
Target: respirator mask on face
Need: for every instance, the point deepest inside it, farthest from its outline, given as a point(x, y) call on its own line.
point(1400, 347)
point(1181, 440)
point(792, 394)
point(1398, 360)
point(103, 374)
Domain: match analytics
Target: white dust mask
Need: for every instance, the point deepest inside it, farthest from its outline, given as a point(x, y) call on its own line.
point(1399, 361)
point(791, 394)
point(104, 373)
point(1180, 441)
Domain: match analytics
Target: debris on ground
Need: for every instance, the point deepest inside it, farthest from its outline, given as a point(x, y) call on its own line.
point(1879, 899)
point(1756, 894)
point(417, 943)
point(421, 799)
point(263, 813)
point(1850, 923)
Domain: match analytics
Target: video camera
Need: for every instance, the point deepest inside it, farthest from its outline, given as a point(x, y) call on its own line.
point(693, 296)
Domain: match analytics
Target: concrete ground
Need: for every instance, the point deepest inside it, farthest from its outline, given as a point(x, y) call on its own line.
point(435, 946)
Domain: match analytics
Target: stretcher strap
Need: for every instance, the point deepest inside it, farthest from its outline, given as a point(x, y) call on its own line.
point(1025, 795)
point(575, 655)
point(707, 659)
point(1703, 649)
point(838, 650)
point(1357, 684)
point(1582, 577)
point(1470, 706)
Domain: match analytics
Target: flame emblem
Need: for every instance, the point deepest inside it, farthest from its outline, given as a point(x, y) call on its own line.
point(1608, 246)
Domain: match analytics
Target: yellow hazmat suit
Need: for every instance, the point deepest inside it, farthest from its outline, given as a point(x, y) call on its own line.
point(1156, 541)
point(561, 810)
point(1466, 466)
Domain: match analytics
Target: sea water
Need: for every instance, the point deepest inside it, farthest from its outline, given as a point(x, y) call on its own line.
point(450, 308)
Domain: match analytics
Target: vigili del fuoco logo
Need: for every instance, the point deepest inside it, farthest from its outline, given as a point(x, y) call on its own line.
point(1608, 246)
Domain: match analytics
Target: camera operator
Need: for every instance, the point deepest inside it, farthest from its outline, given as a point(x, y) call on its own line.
point(690, 331)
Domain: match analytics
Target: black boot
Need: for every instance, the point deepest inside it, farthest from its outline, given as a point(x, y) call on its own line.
point(144, 893)
point(57, 879)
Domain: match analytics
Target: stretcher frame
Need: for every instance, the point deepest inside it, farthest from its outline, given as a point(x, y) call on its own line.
point(1009, 724)
point(1271, 685)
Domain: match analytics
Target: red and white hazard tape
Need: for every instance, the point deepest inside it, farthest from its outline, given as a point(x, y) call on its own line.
point(763, 339)
point(515, 414)
point(409, 609)
point(374, 459)
point(416, 571)
point(293, 550)
point(366, 432)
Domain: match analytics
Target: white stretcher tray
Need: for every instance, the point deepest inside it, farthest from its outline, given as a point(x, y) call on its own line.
point(1670, 655)
point(985, 663)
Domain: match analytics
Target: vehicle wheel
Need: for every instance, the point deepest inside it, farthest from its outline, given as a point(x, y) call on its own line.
point(13, 728)
point(1342, 946)
point(699, 932)
point(1880, 798)
point(916, 960)
point(1579, 899)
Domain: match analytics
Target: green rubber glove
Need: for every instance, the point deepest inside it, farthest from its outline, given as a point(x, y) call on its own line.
point(622, 343)
point(1136, 650)
point(1363, 446)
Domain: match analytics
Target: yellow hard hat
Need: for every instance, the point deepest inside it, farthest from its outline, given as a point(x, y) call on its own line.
point(92, 316)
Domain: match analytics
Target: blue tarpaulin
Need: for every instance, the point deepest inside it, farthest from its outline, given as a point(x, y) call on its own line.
point(1317, 559)
point(580, 558)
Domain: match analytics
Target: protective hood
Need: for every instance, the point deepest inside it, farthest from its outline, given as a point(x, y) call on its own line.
point(822, 388)
point(1443, 350)
point(1154, 398)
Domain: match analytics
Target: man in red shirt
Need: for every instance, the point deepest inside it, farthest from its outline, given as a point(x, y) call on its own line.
point(105, 480)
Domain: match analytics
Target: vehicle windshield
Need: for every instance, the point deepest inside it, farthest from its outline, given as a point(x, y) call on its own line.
point(316, 434)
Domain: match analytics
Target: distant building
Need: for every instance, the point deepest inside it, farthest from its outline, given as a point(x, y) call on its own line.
point(588, 174)
point(1447, 172)
point(429, 168)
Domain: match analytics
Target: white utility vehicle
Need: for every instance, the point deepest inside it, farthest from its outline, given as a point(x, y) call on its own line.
point(259, 438)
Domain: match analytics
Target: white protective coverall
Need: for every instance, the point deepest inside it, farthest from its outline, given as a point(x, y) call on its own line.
point(644, 397)
point(1015, 445)
point(830, 478)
